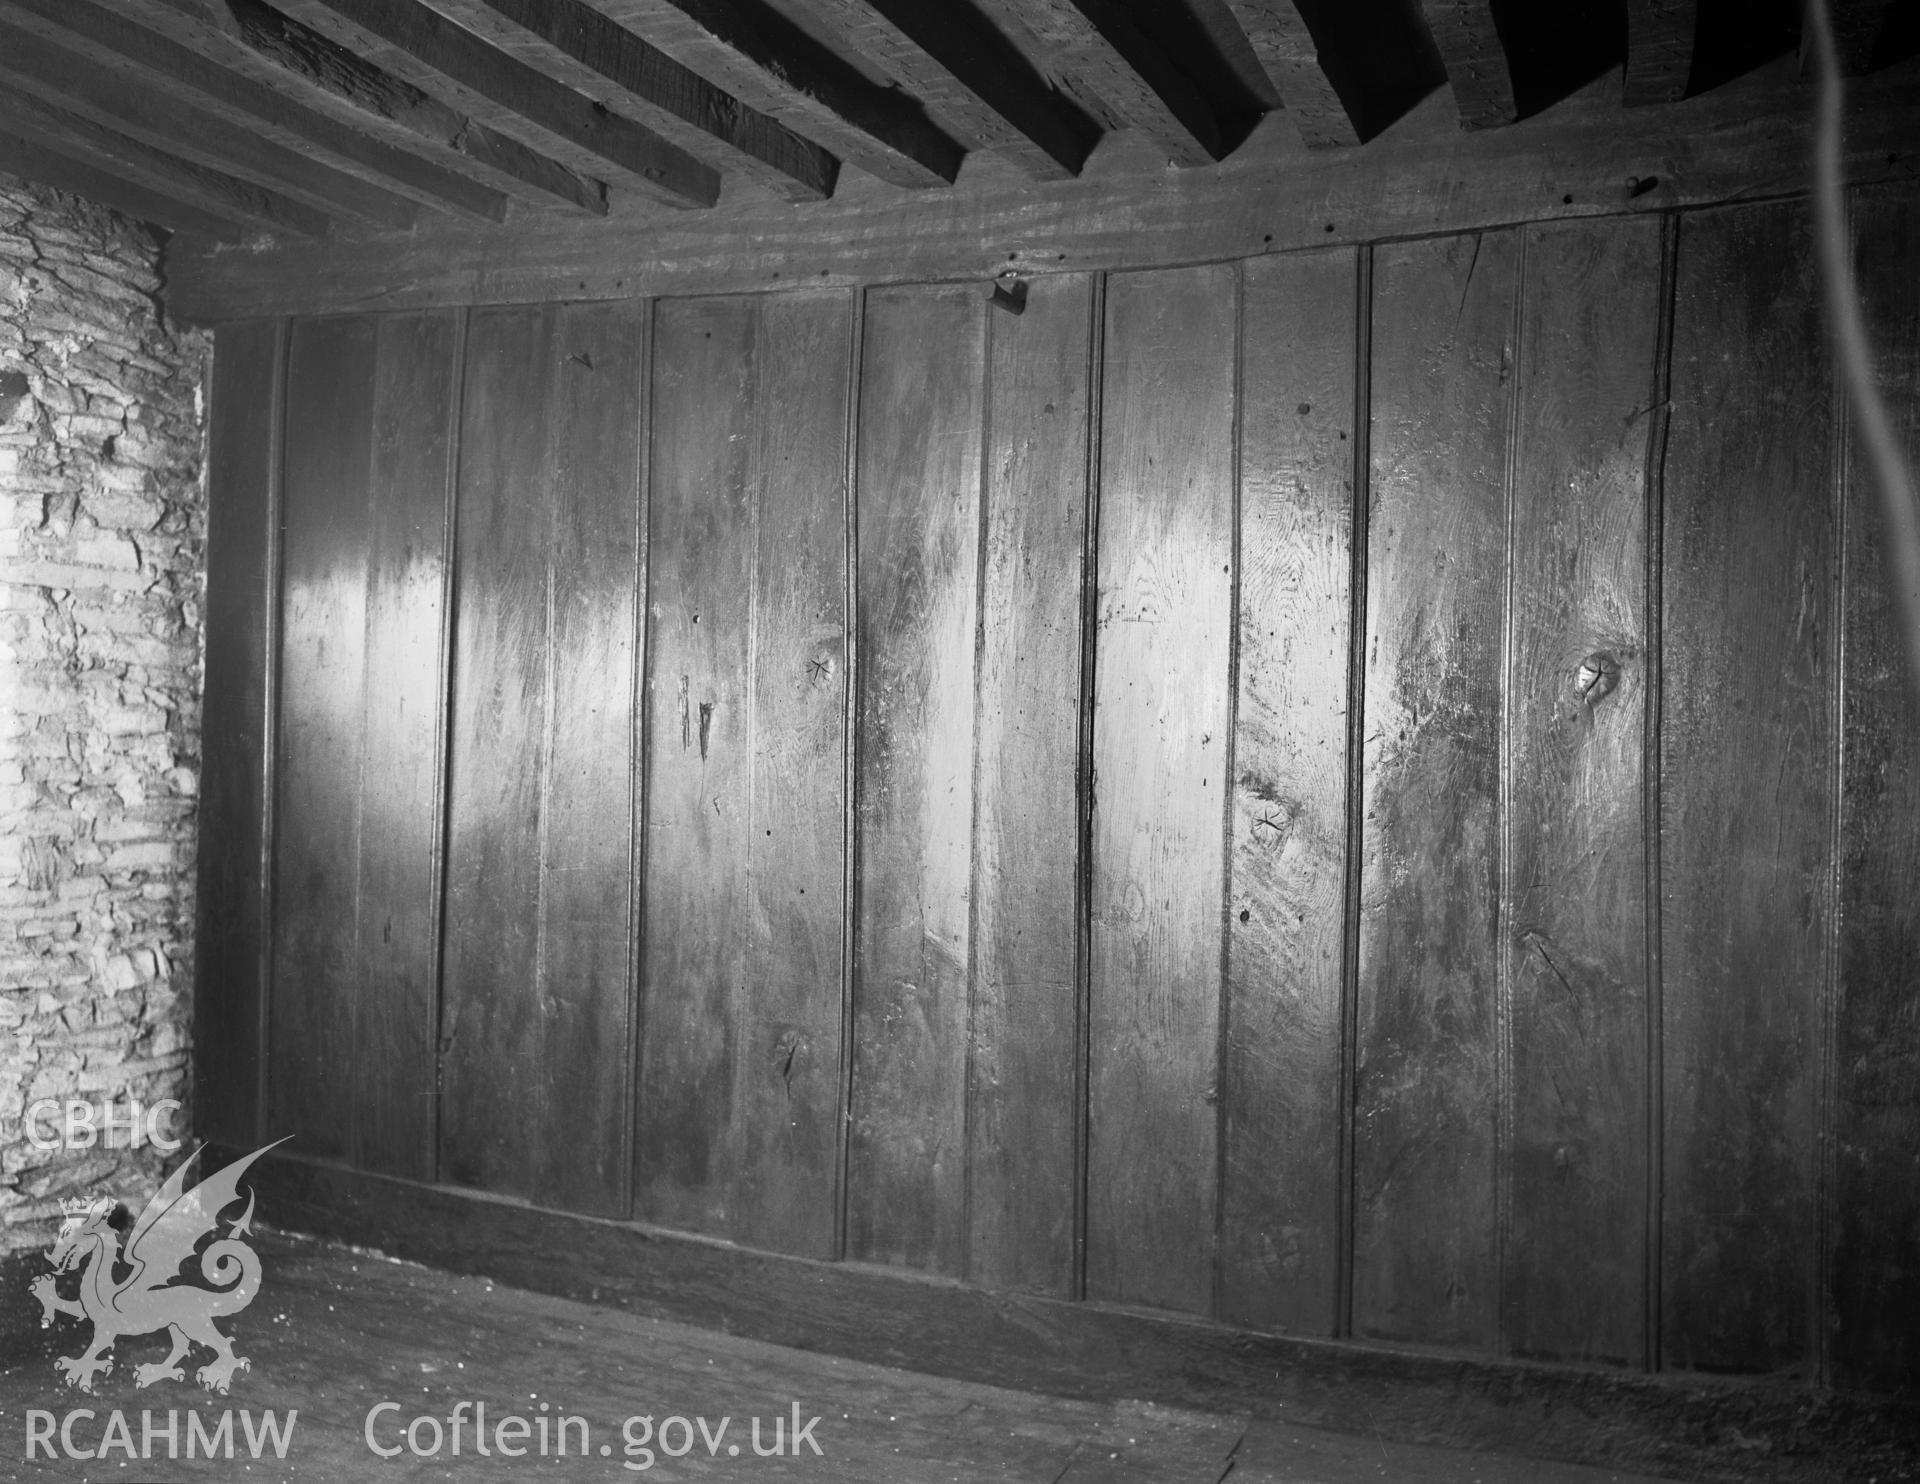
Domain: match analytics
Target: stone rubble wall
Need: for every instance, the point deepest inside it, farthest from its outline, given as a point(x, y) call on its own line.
point(102, 575)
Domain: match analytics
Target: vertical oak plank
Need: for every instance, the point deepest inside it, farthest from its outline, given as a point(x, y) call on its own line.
point(243, 498)
point(396, 916)
point(1022, 1162)
point(1576, 916)
point(699, 756)
point(535, 1004)
point(1280, 1230)
point(315, 985)
point(917, 482)
point(1875, 1283)
point(739, 1096)
point(497, 757)
point(576, 1154)
point(788, 1082)
point(1426, 1077)
point(1162, 711)
point(1746, 783)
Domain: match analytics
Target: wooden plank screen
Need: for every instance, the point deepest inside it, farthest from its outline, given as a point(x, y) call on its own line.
point(1161, 765)
point(1574, 927)
point(328, 548)
point(1747, 757)
point(1337, 759)
point(1282, 1227)
point(535, 1009)
point(1875, 1280)
point(1426, 1091)
point(917, 482)
point(1025, 1086)
point(356, 910)
point(740, 1074)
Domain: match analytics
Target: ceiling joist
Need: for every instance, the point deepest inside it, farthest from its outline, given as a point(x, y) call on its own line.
point(106, 149)
point(189, 76)
point(579, 47)
point(423, 47)
point(64, 173)
point(1476, 62)
point(971, 77)
point(276, 52)
point(119, 99)
point(1659, 50)
point(770, 64)
point(1309, 83)
point(1099, 46)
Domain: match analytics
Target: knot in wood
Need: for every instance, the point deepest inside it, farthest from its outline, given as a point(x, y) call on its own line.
point(1599, 673)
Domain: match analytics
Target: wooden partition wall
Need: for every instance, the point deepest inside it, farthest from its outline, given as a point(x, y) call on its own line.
point(1357, 793)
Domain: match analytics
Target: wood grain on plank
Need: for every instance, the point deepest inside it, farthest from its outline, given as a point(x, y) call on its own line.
point(1875, 1280)
point(535, 1000)
point(316, 967)
point(491, 1008)
point(397, 911)
point(740, 1073)
point(231, 932)
point(1424, 1144)
point(788, 1084)
point(699, 757)
point(1022, 1112)
point(917, 483)
point(1161, 751)
point(1747, 753)
point(1575, 920)
point(1286, 900)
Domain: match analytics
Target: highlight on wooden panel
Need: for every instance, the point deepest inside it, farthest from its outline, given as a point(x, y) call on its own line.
point(1575, 916)
point(1023, 1163)
point(1281, 1223)
point(535, 993)
point(236, 743)
point(1162, 757)
point(1746, 785)
point(322, 731)
point(740, 1071)
point(917, 501)
point(1426, 1056)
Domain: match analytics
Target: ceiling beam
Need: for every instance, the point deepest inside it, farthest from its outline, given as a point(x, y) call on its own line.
point(971, 77)
point(772, 65)
point(107, 149)
point(142, 203)
point(279, 53)
point(191, 77)
point(1310, 83)
point(1476, 62)
point(121, 100)
point(439, 57)
point(579, 47)
point(1098, 44)
point(1659, 50)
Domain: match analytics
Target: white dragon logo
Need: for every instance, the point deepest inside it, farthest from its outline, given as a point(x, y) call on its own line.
point(151, 1296)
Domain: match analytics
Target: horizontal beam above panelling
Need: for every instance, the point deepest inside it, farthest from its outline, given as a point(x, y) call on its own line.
point(1422, 176)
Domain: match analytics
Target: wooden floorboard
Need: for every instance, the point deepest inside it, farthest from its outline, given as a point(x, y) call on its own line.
point(338, 1331)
